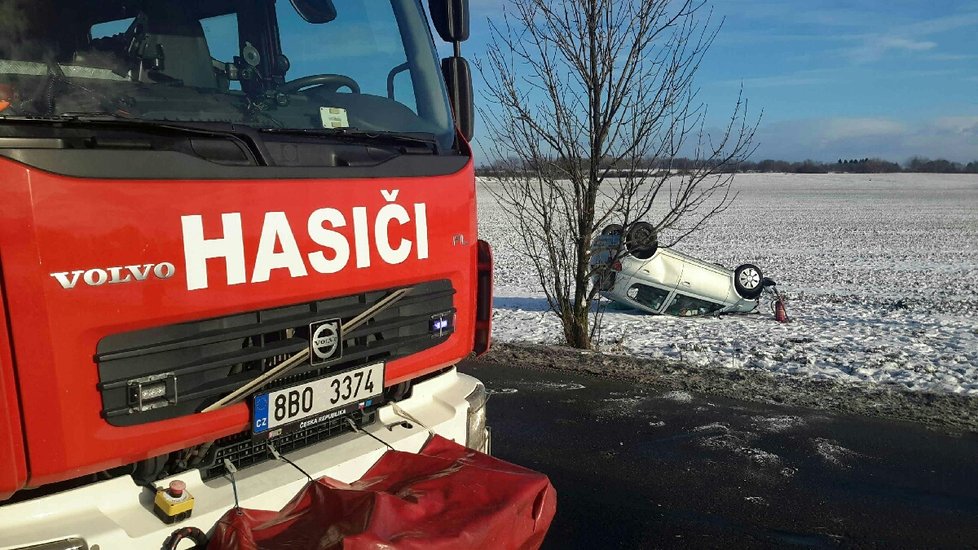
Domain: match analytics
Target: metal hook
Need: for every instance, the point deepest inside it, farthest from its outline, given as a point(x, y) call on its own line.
point(234, 486)
point(353, 426)
point(278, 456)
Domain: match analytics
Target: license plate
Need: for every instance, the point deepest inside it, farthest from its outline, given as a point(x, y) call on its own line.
point(308, 404)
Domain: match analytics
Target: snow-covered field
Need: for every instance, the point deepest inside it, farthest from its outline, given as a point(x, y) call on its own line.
point(881, 274)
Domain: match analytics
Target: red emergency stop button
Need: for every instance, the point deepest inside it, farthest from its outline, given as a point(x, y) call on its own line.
point(176, 488)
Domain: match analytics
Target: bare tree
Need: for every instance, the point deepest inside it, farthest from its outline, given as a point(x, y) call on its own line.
point(588, 102)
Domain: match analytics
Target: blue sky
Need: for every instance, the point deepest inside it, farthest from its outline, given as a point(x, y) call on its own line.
point(876, 78)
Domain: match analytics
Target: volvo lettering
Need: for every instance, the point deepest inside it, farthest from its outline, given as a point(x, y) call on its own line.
point(114, 275)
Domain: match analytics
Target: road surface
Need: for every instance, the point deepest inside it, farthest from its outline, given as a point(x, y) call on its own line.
point(638, 467)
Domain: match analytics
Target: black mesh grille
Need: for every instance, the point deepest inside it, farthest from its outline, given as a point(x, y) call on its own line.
point(243, 451)
point(182, 368)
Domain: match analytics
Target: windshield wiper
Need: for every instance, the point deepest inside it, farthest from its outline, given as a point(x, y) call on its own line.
point(115, 119)
point(196, 127)
point(244, 135)
point(414, 143)
point(97, 118)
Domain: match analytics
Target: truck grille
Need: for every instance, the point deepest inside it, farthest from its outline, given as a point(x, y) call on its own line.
point(243, 451)
point(167, 372)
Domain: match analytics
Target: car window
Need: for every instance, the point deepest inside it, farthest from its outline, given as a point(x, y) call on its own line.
point(687, 306)
point(649, 296)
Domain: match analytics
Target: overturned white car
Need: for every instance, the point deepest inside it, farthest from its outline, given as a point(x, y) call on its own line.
point(630, 268)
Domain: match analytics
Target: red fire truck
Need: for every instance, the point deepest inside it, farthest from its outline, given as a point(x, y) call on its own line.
point(230, 230)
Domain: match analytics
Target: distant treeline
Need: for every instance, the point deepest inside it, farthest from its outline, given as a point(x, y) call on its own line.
point(853, 166)
point(862, 166)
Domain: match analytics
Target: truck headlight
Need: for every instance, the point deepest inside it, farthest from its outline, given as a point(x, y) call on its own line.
point(475, 432)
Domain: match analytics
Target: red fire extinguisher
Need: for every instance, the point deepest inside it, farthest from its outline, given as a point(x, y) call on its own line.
point(780, 313)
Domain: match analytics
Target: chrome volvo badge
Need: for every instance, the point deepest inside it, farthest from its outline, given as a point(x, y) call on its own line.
point(325, 341)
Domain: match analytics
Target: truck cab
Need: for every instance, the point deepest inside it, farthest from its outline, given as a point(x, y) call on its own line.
point(227, 227)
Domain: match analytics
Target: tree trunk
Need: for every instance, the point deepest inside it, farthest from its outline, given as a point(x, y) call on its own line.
point(576, 330)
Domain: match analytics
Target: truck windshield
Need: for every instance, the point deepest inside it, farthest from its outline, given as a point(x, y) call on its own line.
point(371, 68)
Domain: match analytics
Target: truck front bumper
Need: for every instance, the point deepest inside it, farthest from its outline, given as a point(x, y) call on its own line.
point(117, 513)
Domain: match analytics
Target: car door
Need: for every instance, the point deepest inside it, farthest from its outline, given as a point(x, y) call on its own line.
point(648, 283)
point(703, 280)
point(664, 269)
point(655, 280)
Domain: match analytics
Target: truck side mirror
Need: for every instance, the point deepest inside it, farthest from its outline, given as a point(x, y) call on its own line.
point(451, 19)
point(458, 78)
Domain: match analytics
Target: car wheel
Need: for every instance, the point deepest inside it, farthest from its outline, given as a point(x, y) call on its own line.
point(641, 240)
point(747, 281)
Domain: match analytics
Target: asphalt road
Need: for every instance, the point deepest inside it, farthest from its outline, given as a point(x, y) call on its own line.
point(637, 467)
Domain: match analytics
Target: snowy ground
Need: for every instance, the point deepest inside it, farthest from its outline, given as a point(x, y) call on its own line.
point(881, 273)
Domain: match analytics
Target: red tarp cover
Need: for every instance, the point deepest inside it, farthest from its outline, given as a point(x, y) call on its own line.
point(446, 496)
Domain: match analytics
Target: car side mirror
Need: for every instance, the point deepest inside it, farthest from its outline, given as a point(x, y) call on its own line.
point(458, 78)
